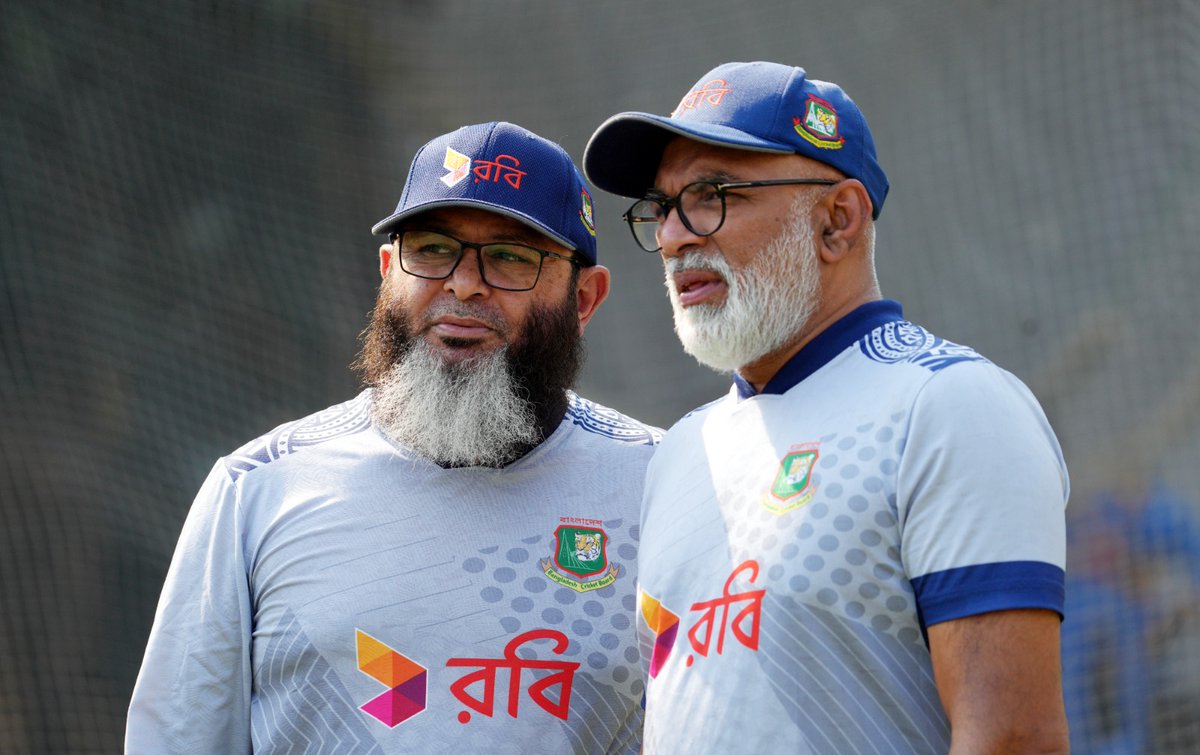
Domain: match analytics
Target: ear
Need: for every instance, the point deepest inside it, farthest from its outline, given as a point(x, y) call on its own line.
point(841, 219)
point(590, 292)
point(385, 259)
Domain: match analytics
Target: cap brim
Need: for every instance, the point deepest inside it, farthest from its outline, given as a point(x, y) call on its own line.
point(388, 224)
point(622, 156)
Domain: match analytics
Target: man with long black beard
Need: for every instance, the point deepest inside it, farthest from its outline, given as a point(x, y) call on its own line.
point(447, 561)
point(860, 548)
point(485, 410)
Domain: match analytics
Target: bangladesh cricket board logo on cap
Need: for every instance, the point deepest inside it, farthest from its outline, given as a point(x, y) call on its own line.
point(793, 485)
point(585, 211)
point(819, 126)
point(580, 558)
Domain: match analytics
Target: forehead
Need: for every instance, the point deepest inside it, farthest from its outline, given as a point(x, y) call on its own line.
point(474, 224)
point(685, 160)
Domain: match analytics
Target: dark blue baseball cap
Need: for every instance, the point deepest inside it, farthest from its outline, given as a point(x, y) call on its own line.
point(762, 107)
point(504, 169)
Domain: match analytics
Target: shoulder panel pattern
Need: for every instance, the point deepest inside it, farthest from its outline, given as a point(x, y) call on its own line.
point(610, 423)
point(903, 341)
point(337, 421)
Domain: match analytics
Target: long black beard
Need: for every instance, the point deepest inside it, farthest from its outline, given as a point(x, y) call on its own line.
point(544, 361)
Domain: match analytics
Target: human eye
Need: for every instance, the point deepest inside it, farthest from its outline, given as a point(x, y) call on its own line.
point(648, 210)
point(702, 193)
point(512, 254)
point(428, 246)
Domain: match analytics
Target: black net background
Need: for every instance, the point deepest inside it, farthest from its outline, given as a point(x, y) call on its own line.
point(186, 192)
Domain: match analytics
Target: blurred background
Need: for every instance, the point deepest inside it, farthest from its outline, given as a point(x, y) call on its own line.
point(186, 193)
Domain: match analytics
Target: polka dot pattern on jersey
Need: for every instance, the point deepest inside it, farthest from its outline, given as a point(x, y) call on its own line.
point(599, 624)
point(840, 550)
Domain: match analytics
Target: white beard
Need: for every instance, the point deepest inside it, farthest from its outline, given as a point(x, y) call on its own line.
point(767, 302)
point(465, 414)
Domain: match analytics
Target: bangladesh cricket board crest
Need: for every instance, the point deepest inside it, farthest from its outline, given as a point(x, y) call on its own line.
point(580, 558)
point(793, 484)
point(819, 126)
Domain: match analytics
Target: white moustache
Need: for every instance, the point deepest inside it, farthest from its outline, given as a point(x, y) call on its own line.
point(712, 263)
point(698, 261)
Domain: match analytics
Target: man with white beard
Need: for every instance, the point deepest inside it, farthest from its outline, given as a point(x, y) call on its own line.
point(861, 547)
point(448, 561)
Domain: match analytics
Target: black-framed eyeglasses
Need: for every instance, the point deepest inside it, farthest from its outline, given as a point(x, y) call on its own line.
point(701, 207)
point(502, 264)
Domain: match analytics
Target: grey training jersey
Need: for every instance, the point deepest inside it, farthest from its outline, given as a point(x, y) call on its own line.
point(332, 592)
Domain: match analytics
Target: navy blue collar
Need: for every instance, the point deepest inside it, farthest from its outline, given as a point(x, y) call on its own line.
point(820, 350)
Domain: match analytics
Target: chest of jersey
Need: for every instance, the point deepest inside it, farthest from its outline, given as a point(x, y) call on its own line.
point(772, 571)
point(806, 494)
point(434, 604)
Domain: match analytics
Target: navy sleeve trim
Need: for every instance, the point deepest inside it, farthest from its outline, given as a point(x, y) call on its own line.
point(970, 590)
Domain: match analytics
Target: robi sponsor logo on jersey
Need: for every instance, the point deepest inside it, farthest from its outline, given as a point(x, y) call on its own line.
point(793, 485)
point(715, 620)
point(580, 557)
point(547, 682)
point(459, 166)
point(405, 679)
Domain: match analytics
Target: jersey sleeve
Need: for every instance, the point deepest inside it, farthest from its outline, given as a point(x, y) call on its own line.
point(981, 497)
point(193, 691)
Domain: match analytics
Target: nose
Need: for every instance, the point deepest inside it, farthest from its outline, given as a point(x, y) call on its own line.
point(675, 238)
point(466, 280)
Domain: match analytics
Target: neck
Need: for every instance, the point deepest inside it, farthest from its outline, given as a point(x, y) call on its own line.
point(759, 372)
point(549, 413)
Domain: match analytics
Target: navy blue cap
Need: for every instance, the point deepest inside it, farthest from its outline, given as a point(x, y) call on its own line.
point(504, 169)
point(762, 107)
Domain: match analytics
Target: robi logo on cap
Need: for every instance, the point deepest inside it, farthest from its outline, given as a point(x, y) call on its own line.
point(504, 167)
point(710, 92)
point(819, 126)
point(458, 164)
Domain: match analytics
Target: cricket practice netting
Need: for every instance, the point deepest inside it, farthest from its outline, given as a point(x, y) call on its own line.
point(186, 192)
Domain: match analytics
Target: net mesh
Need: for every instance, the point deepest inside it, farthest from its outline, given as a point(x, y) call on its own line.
point(186, 190)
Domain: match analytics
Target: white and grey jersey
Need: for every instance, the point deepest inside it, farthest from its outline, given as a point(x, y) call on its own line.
point(796, 543)
point(332, 592)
